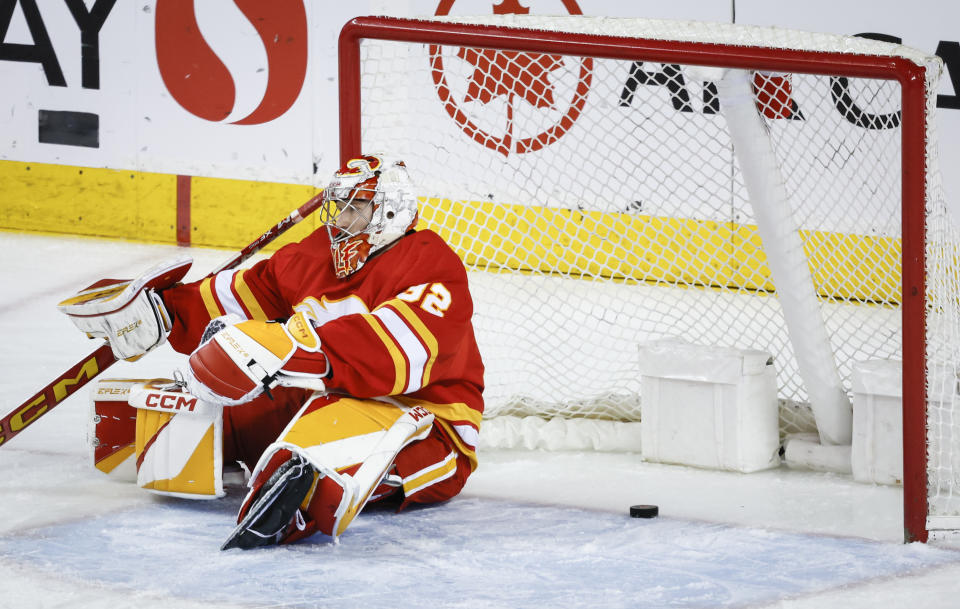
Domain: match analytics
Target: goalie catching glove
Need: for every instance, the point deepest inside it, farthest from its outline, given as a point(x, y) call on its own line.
point(239, 361)
point(128, 313)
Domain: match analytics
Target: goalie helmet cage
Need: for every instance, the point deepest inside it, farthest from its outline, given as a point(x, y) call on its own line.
point(625, 214)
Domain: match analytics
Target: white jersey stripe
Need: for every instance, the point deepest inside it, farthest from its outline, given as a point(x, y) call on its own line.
point(468, 434)
point(409, 343)
point(228, 301)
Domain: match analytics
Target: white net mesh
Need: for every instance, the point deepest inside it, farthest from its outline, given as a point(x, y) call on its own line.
point(943, 344)
point(600, 206)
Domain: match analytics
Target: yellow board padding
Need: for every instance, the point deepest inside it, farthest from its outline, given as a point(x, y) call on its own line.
point(142, 206)
point(86, 201)
point(231, 213)
point(676, 251)
point(488, 236)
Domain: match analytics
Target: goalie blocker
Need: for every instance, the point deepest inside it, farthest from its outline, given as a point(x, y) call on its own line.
point(154, 432)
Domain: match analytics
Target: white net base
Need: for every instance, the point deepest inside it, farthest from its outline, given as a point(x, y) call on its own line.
point(538, 372)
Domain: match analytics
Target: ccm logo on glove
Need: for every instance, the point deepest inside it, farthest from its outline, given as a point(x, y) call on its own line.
point(170, 401)
point(301, 330)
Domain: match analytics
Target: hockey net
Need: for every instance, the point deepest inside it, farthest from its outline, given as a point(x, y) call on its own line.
point(584, 170)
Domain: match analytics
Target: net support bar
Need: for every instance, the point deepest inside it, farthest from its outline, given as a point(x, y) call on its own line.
point(784, 248)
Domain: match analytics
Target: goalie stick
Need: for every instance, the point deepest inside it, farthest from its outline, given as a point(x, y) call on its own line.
point(92, 365)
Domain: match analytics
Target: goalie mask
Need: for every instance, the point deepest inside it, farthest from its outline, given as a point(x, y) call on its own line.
point(369, 204)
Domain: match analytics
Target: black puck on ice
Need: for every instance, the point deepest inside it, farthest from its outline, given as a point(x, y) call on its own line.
point(644, 511)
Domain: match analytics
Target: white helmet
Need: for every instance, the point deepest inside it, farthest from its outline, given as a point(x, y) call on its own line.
point(369, 204)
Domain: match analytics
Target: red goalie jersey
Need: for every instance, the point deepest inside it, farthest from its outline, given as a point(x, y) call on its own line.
point(400, 326)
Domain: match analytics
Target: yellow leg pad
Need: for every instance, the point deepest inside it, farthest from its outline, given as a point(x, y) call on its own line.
point(349, 432)
point(345, 418)
point(345, 433)
point(181, 454)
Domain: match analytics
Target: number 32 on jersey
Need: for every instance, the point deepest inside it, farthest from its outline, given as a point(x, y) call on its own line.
point(436, 301)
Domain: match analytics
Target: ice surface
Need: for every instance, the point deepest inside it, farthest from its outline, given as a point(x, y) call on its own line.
point(482, 552)
point(531, 529)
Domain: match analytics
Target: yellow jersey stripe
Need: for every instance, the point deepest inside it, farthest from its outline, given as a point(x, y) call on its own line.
point(247, 297)
point(430, 475)
point(455, 412)
point(399, 363)
point(206, 292)
point(422, 331)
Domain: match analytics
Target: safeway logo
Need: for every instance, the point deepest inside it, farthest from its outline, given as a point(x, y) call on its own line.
point(518, 83)
point(198, 78)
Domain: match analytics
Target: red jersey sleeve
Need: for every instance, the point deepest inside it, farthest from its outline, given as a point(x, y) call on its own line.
point(252, 293)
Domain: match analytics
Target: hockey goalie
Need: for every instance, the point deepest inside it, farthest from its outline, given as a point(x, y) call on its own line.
point(341, 370)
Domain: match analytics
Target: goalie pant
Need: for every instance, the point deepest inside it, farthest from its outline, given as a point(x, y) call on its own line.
point(401, 448)
point(430, 470)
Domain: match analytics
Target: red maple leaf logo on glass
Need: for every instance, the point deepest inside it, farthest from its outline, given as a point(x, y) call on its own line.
point(515, 75)
point(510, 73)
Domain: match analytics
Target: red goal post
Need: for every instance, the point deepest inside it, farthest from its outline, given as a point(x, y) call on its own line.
point(910, 70)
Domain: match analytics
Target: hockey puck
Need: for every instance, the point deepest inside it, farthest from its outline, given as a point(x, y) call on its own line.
point(644, 511)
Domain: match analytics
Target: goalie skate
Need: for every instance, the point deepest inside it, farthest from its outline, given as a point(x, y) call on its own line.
point(276, 507)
